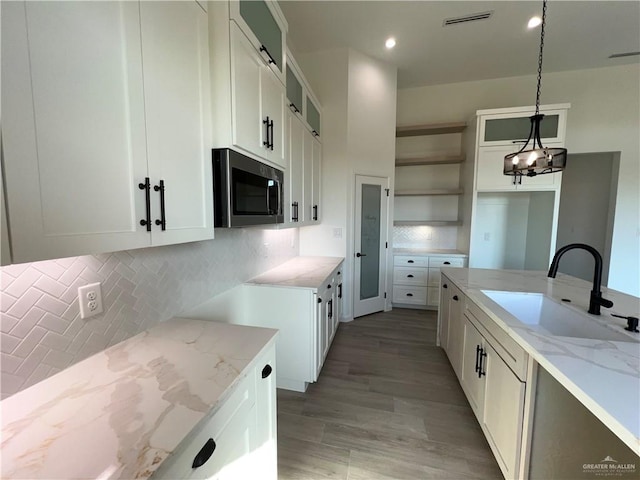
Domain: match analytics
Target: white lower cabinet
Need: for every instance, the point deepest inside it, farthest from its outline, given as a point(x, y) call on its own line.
point(491, 369)
point(307, 319)
point(239, 440)
point(416, 278)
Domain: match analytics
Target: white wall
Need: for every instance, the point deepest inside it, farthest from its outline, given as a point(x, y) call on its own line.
point(604, 117)
point(358, 97)
point(41, 331)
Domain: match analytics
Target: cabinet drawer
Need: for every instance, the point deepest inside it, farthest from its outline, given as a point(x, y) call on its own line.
point(512, 354)
point(410, 276)
point(446, 262)
point(433, 296)
point(232, 428)
point(412, 295)
point(410, 261)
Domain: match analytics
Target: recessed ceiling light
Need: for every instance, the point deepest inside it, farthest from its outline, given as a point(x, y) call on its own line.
point(390, 43)
point(534, 22)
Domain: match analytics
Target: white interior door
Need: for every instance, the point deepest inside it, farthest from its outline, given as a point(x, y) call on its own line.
point(372, 210)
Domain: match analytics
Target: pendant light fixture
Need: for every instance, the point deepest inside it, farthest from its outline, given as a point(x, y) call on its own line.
point(533, 158)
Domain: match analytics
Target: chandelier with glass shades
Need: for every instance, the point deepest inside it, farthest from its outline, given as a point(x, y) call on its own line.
point(533, 158)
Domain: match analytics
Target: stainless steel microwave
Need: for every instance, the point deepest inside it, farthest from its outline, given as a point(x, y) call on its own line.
point(246, 191)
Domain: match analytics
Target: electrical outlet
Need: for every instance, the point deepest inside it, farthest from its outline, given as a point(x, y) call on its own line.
point(90, 298)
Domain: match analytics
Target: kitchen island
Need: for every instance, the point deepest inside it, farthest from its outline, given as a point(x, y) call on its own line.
point(601, 374)
point(137, 407)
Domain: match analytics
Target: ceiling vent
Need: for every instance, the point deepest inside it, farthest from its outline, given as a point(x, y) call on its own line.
point(620, 55)
point(467, 18)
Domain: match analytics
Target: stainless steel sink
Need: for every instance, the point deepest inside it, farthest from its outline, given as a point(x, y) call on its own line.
point(543, 313)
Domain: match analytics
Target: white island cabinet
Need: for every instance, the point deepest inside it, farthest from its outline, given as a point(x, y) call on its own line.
point(501, 360)
point(107, 128)
point(185, 399)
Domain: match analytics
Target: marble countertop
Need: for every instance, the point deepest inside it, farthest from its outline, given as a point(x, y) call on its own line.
point(427, 251)
point(603, 375)
point(300, 272)
point(121, 412)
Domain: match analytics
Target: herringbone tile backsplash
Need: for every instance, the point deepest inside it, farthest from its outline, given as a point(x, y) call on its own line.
point(41, 331)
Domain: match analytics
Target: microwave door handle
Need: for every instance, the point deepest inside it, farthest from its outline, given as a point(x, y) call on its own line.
point(268, 200)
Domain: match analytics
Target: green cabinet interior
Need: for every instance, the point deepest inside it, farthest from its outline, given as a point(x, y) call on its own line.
point(313, 116)
point(294, 89)
point(518, 128)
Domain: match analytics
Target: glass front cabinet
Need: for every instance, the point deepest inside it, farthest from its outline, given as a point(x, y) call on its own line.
point(265, 25)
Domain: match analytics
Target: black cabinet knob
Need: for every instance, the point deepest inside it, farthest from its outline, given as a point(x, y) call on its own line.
point(447, 263)
point(329, 286)
point(410, 261)
point(409, 294)
point(204, 454)
point(455, 297)
point(409, 276)
point(266, 371)
point(445, 286)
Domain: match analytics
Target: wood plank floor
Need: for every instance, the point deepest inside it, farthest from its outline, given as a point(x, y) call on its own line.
point(387, 405)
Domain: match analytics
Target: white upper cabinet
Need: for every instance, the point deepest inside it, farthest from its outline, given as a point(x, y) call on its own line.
point(175, 49)
point(254, 122)
point(264, 24)
point(73, 130)
point(77, 138)
point(295, 149)
point(301, 99)
point(316, 154)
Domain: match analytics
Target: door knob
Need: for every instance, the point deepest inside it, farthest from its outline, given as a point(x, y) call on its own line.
point(361, 254)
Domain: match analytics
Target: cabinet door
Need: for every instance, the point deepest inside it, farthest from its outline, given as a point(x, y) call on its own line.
point(456, 329)
point(272, 95)
point(245, 93)
point(261, 22)
point(503, 412)
point(320, 327)
point(443, 313)
point(316, 156)
point(504, 129)
point(307, 178)
point(295, 149)
point(73, 130)
point(490, 166)
point(312, 114)
point(176, 87)
point(266, 436)
point(472, 378)
point(232, 429)
point(294, 90)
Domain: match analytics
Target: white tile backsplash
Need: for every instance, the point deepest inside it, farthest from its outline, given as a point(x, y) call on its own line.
point(41, 331)
point(435, 238)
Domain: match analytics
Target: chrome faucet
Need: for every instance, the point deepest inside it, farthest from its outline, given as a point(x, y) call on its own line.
point(595, 300)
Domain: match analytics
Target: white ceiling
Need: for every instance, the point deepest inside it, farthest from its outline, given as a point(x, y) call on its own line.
point(578, 34)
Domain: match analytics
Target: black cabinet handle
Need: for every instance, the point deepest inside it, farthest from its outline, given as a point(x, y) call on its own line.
point(264, 49)
point(294, 214)
point(409, 294)
point(361, 254)
point(330, 305)
point(266, 122)
point(266, 371)
point(204, 454)
point(163, 219)
point(455, 297)
point(409, 276)
point(271, 139)
point(447, 263)
point(339, 290)
point(477, 358)
point(481, 371)
point(146, 186)
point(338, 272)
point(315, 134)
point(294, 108)
point(445, 286)
point(409, 261)
point(315, 212)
